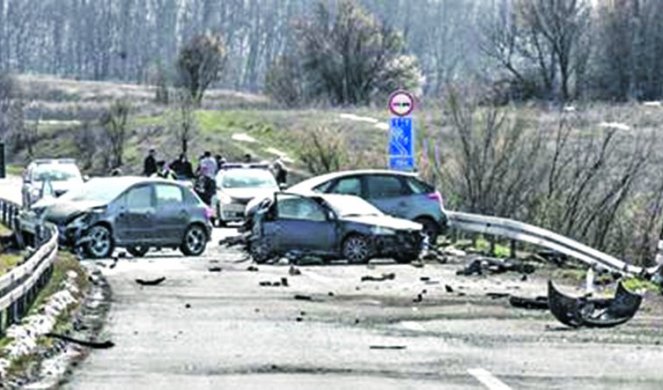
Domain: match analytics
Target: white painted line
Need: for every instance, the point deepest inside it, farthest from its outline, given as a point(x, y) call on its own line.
point(412, 325)
point(488, 379)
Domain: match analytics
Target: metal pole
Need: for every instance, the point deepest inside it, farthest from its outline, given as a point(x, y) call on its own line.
point(3, 170)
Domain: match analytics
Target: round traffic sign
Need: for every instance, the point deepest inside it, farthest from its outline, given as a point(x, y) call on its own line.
point(401, 103)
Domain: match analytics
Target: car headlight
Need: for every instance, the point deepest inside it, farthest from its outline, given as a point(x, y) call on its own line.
point(380, 230)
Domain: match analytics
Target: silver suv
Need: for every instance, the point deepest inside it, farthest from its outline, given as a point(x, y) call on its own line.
point(49, 176)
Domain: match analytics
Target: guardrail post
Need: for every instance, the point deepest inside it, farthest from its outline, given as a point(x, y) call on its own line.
point(512, 249)
point(491, 240)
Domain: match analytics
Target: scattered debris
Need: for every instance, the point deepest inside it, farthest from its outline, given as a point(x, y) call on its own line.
point(418, 299)
point(294, 271)
point(538, 303)
point(382, 278)
point(265, 283)
point(523, 278)
point(91, 344)
point(496, 295)
point(300, 297)
point(252, 268)
point(153, 282)
point(448, 288)
point(299, 319)
point(284, 282)
point(495, 266)
point(331, 293)
point(214, 269)
point(387, 347)
point(417, 264)
point(424, 279)
point(187, 306)
point(593, 312)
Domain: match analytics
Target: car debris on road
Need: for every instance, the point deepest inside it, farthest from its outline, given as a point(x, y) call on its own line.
point(151, 282)
point(593, 312)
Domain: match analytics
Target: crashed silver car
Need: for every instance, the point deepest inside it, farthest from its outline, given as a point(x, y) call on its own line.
point(329, 227)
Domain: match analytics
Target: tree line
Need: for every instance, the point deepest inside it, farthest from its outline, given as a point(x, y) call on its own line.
point(545, 49)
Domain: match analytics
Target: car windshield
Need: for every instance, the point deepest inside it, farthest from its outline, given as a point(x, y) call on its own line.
point(55, 172)
point(102, 190)
point(246, 178)
point(351, 206)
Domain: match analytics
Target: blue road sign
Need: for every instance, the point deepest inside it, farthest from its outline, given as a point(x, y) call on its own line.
point(401, 144)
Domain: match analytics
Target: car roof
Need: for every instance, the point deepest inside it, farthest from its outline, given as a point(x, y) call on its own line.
point(315, 181)
point(131, 180)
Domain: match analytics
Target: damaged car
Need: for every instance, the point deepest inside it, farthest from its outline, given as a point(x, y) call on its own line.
point(131, 212)
point(329, 227)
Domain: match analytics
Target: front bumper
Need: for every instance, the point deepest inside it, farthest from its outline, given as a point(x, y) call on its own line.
point(232, 212)
point(401, 242)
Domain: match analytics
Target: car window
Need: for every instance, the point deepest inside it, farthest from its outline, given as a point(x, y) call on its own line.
point(418, 187)
point(139, 198)
point(293, 207)
point(382, 186)
point(168, 195)
point(347, 186)
point(324, 187)
point(55, 172)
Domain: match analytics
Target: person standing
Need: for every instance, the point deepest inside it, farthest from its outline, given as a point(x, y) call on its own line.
point(208, 165)
point(280, 173)
point(182, 168)
point(150, 163)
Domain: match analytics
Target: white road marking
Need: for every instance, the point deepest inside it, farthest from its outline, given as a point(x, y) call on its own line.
point(488, 379)
point(412, 325)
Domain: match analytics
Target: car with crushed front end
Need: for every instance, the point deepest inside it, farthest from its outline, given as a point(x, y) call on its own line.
point(136, 213)
point(401, 194)
point(237, 185)
point(49, 177)
point(330, 227)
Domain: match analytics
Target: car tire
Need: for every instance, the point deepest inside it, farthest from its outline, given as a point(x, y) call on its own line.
point(101, 244)
point(430, 229)
point(356, 249)
point(195, 241)
point(261, 250)
point(138, 250)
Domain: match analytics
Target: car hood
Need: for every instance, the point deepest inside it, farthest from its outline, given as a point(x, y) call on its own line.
point(61, 212)
point(247, 194)
point(384, 221)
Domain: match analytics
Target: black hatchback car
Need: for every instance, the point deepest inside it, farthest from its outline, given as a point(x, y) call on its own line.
point(330, 227)
point(132, 212)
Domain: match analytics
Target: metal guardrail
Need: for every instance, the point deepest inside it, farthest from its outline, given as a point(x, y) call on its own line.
point(20, 286)
point(520, 231)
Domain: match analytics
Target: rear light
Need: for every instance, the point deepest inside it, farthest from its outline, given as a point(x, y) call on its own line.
point(436, 196)
point(209, 213)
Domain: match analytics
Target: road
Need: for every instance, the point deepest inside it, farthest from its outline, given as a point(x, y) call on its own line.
point(239, 335)
point(210, 330)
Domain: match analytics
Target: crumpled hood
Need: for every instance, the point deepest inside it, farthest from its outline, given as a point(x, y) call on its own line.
point(384, 221)
point(246, 194)
point(61, 212)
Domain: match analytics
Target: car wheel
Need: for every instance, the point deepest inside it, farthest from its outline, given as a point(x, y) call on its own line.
point(261, 250)
point(356, 249)
point(100, 242)
point(138, 250)
point(195, 240)
point(430, 229)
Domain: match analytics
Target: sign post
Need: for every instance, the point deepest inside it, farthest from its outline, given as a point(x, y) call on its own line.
point(3, 170)
point(401, 132)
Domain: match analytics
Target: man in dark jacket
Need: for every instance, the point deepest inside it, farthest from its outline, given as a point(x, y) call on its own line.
point(182, 168)
point(150, 164)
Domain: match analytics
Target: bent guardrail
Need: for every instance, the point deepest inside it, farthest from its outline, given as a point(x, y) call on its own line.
point(520, 231)
point(20, 286)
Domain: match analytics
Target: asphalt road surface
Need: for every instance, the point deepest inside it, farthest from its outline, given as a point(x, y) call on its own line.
point(222, 330)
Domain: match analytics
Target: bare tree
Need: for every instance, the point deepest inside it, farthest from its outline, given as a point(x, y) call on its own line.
point(349, 56)
point(183, 121)
point(323, 150)
point(115, 128)
point(200, 63)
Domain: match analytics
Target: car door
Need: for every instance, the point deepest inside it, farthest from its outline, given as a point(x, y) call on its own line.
point(171, 214)
point(389, 193)
point(134, 222)
point(302, 224)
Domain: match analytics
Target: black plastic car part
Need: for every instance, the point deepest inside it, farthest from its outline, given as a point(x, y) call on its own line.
point(593, 312)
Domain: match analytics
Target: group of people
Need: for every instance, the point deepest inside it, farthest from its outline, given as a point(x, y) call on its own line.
point(205, 173)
